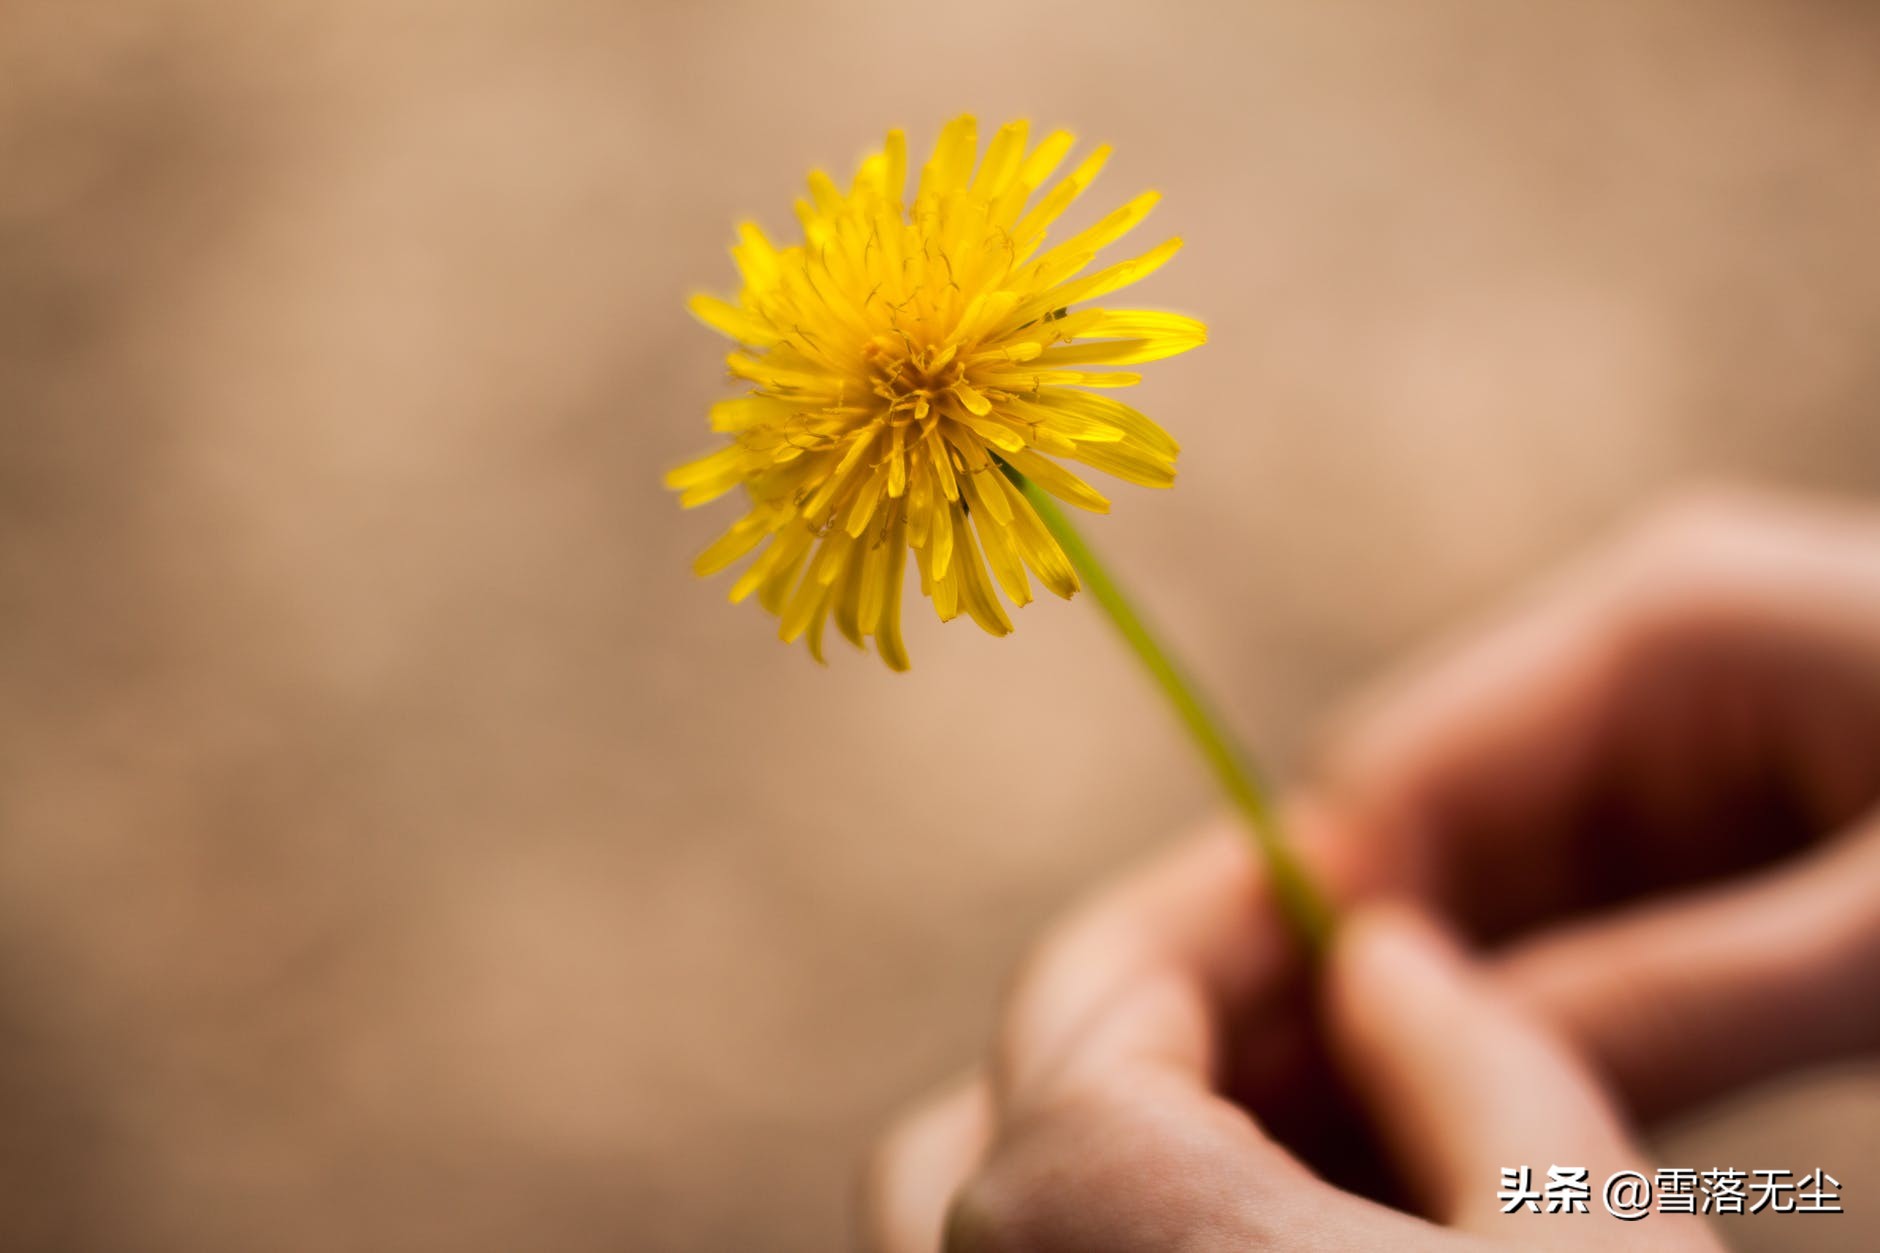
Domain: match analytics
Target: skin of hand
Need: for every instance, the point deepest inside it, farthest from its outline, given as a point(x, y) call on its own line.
point(1649, 789)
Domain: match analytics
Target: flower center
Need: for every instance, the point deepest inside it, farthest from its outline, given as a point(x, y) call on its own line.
point(911, 378)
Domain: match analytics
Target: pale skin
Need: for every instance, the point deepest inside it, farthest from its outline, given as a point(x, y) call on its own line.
point(1646, 796)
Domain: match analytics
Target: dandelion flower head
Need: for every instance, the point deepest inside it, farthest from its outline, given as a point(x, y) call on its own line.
point(900, 361)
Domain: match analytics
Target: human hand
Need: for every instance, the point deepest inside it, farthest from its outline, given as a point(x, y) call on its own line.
point(1117, 1112)
point(1495, 782)
point(1591, 779)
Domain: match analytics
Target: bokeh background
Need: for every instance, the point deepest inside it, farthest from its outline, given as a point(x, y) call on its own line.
point(399, 850)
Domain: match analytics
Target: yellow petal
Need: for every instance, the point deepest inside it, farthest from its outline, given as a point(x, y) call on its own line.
point(1129, 463)
point(775, 564)
point(824, 191)
point(832, 557)
point(727, 319)
point(1045, 158)
point(1030, 381)
point(952, 158)
point(853, 462)
point(989, 503)
point(942, 585)
point(896, 153)
point(1060, 482)
point(814, 635)
point(810, 599)
point(1103, 282)
point(920, 497)
point(1038, 546)
point(1126, 338)
point(1144, 324)
point(1135, 425)
point(743, 536)
point(745, 412)
point(887, 625)
point(756, 258)
point(1110, 352)
point(1001, 552)
point(1059, 198)
point(1001, 164)
point(940, 456)
point(867, 498)
point(876, 560)
point(847, 606)
point(940, 542)
point(897, 467)
point(992, 429)
point(974, 400)
point(976, 589)
point(1075, 253)
point(1071, 426)
point(710, 476)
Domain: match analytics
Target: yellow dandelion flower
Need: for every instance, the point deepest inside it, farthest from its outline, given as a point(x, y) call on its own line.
point(910, 367)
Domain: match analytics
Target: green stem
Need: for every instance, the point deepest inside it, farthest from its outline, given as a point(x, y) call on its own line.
point(1298, 894)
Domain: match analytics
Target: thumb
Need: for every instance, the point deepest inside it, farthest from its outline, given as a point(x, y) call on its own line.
point(1461, 1083)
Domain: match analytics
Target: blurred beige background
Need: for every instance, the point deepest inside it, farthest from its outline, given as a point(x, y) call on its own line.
point(399, 850)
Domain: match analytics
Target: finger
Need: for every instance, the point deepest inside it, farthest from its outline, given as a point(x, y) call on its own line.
point(1123, 1146)
point(1123, 997)
point(1690, 700)
point(1774, 966)
point(1460, 1082)
point(1197, 926)
point(920, 1164)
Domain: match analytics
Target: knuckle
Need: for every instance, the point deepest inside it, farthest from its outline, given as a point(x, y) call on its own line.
point(1686, 559)
point(1696, 515)
point(1715, 558)
point(1690, 536)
